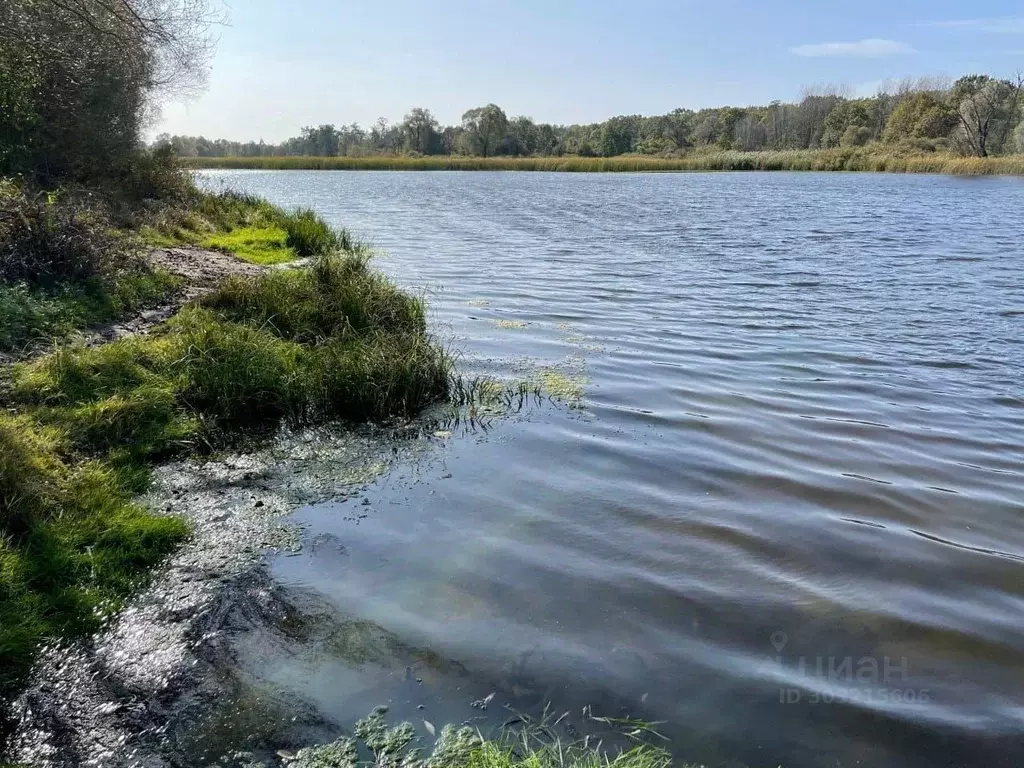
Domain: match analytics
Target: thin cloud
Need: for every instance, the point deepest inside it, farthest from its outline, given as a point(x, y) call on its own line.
point(872, 48)
point(1008, 25)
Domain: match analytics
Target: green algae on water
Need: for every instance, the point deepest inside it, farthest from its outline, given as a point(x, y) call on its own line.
point(562, 386)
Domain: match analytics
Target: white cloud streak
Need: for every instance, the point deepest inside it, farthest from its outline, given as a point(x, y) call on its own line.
point(870, 48)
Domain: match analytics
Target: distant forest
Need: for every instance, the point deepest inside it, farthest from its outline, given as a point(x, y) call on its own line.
point(977, 115)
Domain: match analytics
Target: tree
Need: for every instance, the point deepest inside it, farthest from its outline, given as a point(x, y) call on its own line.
point(924, 115)
point(708, 128)
point(781, 122)
point(814, 109)
point(845, 115)
point(321, 141)
point(750, 134)
point(855, 136)
point(678, 127)
point(385, 137)
point(420, 130)
point(77, 77)
point(618, 136)
point(486, 128)
point(987, 110)
point(451, 138)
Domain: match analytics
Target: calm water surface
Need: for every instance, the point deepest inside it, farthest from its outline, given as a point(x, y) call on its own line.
point(788, 518)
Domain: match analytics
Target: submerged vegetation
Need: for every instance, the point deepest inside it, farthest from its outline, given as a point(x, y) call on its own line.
point(861, 159)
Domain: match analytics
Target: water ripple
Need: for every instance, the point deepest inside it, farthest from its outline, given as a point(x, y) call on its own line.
point(802, 420)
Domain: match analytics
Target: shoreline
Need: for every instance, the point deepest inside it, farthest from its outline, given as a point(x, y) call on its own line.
point(88, 420)
point(825, 160)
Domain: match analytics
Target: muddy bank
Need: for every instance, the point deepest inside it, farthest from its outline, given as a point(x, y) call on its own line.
point(185, 675)
point(141, 691)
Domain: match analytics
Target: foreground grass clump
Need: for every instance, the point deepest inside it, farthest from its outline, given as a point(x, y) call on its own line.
point(335, 341)
point(841, 159)
point(465, 747)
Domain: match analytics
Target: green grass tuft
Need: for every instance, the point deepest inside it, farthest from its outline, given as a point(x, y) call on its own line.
point(247, 226)
point(337, 297)
point(310, 235)
point(260, 245)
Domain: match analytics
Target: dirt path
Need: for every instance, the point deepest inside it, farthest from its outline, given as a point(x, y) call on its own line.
point(200, 270)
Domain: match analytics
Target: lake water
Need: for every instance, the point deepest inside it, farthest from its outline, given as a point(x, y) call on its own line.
point(786, 515)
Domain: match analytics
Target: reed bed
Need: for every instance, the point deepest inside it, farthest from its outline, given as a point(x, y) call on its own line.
point(796, 160)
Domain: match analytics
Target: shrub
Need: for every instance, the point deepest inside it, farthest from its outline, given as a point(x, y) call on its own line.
point(156, 175)
point(855, 136)
point(44, 241)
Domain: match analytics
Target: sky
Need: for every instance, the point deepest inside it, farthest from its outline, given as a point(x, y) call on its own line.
point(283, 64)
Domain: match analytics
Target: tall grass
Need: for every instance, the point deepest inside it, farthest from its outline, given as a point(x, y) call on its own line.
point(860, 159)
point(310, 235)
point(64, 267)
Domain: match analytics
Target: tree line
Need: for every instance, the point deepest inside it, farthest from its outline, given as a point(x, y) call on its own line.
point(977, 115)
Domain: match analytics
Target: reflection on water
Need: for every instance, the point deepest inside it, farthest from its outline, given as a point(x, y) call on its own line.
point(787, 516)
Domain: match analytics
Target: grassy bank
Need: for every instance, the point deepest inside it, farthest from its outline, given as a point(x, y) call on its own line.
point(864, 159)
point(80, 426)
point(246, 226)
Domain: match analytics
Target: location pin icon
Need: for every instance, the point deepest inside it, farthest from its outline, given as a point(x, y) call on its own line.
point(779, 640)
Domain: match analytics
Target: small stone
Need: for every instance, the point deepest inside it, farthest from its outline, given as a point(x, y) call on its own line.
point(259, 504)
